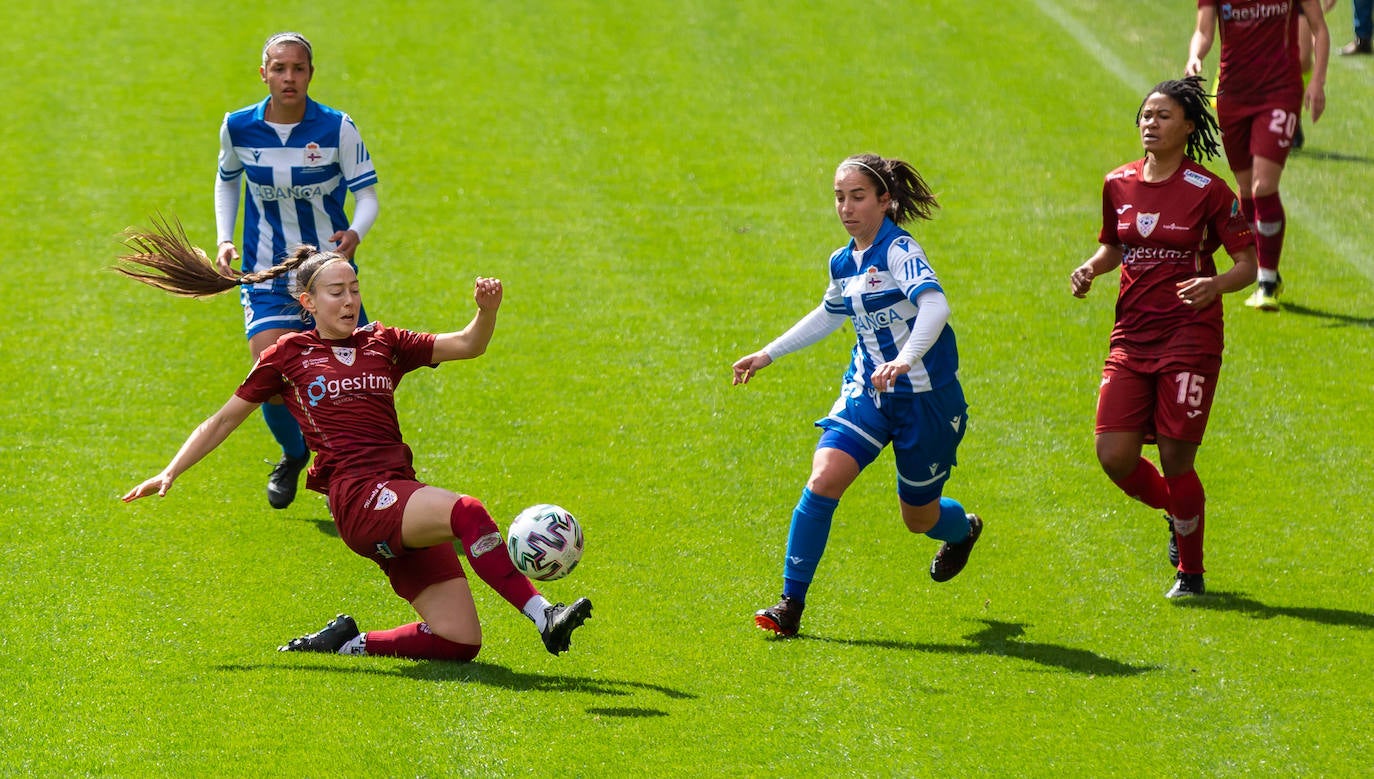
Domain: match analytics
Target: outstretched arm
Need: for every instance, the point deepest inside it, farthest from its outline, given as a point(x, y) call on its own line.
point(808, 330)
point(472, 340)
point(203, 440)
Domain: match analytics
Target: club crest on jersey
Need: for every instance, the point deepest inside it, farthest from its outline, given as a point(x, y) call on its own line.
point(873, 280)
point(386, 498)
point(1145, 223)
point(312, 153)
point(345, 354)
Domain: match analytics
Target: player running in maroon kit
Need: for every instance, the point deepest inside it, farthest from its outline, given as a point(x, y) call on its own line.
point(1163, 217)
point(1260, 97)
point(338, 382)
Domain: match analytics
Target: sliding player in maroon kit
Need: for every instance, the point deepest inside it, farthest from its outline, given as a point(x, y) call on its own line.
point(338, 381)
point(1162, 218)
point(1260, 97)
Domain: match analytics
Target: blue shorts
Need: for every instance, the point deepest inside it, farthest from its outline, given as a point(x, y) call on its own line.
point(274, 309)
point(268, 309)
point(924, 429)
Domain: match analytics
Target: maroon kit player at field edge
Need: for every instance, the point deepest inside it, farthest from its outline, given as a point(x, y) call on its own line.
point(1163, 217)
point(338, 380)
point(1260, 97)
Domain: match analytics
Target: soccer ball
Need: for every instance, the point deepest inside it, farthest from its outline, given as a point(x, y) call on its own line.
point(545, 542)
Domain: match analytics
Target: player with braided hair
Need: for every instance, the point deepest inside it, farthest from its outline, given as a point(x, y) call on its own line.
point(1163, 217)
point(338, 381)
point(1192, 97)
point(901, 386)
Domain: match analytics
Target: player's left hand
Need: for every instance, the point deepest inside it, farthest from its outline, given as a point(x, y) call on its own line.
point(1314, 100)
point(345, 242)
point(1197, 293)
point(885, 376)
point(487, 292)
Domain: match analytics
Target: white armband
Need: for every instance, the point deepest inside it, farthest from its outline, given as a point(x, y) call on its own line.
point(226, 208)
point(932, 313)
point(365, 208)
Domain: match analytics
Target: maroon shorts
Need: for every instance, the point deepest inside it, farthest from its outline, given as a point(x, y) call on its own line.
point(368, 514)
point(1168, 397)
point(1265, 131)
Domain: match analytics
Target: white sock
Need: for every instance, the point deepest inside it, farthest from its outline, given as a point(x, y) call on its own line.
point(1267, 274)
point(355, 646)
point(534, 609)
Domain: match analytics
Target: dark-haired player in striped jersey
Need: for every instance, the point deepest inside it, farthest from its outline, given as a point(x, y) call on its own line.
point(1163, 217)
point(1260, 97)
point(901, 386)
point(298, 160)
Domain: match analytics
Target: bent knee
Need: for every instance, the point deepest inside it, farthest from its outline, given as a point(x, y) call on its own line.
point(458, 633)
point(462, 653)
point(456, 645)
point(1117, 468)
point(1118, 462)
point(826, 488)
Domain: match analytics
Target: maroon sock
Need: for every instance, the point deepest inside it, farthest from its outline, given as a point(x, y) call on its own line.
point(1269, 229)
point(1187, 505)
point(416, 642)
point(1146, 485)
point(486, 551)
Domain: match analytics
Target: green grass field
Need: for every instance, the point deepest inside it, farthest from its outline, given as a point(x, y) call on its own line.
point(652, 182)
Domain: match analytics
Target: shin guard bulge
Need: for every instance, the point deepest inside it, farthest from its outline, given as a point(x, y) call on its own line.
point(486, 551)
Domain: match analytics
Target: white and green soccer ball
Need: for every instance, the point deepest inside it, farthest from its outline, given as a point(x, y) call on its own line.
point(545, 542)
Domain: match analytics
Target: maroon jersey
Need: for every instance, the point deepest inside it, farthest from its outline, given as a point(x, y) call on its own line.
point(1259, 52)
point(1167, 232)
point(341, 393)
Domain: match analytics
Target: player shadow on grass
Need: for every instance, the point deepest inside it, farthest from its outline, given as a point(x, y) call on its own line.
point(999, 639)
point(1333, 156)
point(325, 526)
point(1337, 320)
point(500, 676)
point(483, 673)
point(1240, 602)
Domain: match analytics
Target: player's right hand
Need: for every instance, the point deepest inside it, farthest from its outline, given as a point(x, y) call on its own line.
point(746, 367)
point(1081, 280)
point(158, 484)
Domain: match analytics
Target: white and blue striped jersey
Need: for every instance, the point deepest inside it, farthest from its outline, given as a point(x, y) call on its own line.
point(877, 289)
point(296, 187)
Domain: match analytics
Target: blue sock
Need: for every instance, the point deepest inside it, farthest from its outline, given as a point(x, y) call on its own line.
point(806, 542)
point(285, 430)
point(952, 526)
